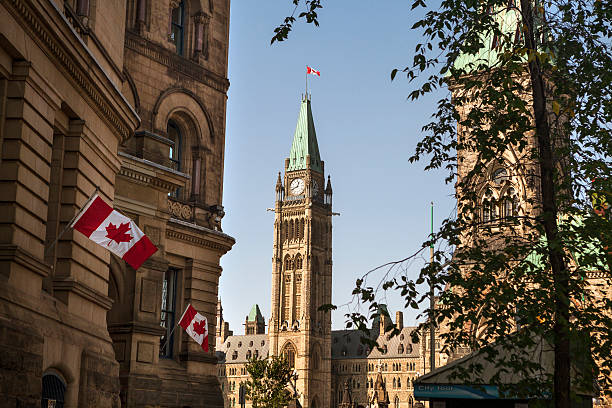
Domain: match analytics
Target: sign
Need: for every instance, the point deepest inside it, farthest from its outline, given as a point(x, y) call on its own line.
point(430, 391)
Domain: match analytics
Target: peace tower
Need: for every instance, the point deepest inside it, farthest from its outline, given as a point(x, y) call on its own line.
point(302, 265)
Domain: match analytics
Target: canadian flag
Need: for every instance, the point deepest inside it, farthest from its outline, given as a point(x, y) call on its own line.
point(114, 231)
point(196, 326)
point(312, 71)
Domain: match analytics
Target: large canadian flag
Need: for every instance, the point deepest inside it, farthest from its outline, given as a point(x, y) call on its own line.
point(114, 231)
point(196, 326)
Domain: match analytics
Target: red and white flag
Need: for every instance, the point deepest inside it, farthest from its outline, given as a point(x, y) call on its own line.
point(312, 71)
point(114, 231)
point(196, 326)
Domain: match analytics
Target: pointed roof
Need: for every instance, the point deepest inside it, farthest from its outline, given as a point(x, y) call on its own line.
point(255, 314)
point(305, 141)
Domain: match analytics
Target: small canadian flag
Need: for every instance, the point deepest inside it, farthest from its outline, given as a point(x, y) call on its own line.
point(312, 71)
point(114, 231)
point(196, 326)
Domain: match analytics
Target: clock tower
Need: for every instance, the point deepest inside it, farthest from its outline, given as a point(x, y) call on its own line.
point(302, 266)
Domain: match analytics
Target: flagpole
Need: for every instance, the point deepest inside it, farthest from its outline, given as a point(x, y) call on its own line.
point(306, 83)
point(69, 225)
point(169, 336)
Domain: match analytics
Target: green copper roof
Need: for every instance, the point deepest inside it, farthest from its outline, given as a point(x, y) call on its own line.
point(305, 141)
point(488, 54)
point(255, 314)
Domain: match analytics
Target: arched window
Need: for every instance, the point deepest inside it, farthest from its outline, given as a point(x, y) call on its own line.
point(288, 263)
point(289, 354)
point(510, 204)
point(286, 297)
point(286, 228)
point(53, 389)
point(499, 176)
point(488, 207)
point(315, 359)
point(410, 401)
point(302, 228)
point(396, 401)
point(177, 35)
point(298, 261)
point(292, 233)
point(400, 349)
point(394, 383)
point(399, 383)
point(297, 290)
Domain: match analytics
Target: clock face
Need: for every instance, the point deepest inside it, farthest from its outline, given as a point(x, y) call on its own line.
point(297, 186)
point(315, 188)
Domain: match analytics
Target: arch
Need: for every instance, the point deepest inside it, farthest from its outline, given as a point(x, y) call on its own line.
point(292, 228)
point(53, 388)
point(316, 356)
point(397, 402)
point(315, 402)
point(298, 262)
point(183, 100)
point(289, 351)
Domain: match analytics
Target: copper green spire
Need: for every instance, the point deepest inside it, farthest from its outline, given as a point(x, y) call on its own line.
point(255, 314)
point(305, 141)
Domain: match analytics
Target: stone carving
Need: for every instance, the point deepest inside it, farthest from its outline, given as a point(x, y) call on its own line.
point(179, 210)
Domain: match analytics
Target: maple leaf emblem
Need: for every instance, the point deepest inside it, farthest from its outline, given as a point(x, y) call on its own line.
point(118, 235)
point(199, 327)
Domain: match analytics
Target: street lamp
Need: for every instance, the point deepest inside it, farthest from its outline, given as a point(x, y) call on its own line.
point(294, 377)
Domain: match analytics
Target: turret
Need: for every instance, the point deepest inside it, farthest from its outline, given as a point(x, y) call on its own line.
point(279, 188)
point(328, 191)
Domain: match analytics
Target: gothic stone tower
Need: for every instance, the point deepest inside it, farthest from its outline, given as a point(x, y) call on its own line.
point(302, 266)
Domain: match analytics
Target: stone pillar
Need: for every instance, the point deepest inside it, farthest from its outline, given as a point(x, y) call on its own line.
point(141, 15)
point(82, 8)
point(201, 21)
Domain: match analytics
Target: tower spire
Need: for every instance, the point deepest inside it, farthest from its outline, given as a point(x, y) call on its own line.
point(305, 141)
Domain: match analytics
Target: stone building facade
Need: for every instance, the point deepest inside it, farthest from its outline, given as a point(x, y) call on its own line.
point(128, 97)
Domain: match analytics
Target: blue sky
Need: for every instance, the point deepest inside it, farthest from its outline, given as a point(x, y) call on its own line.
point(366, 131)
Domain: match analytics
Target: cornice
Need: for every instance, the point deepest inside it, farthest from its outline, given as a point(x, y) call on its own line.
point(146, 172)
point(137, 327)
point(197, 235)
point(175, 62)
point(84, 291)
point(200, 357)
point(84, 70)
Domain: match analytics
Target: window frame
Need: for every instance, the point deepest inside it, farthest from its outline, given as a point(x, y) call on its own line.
point(178, 36)
point(170, 314)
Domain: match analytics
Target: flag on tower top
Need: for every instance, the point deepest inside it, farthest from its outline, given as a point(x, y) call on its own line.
point(196, 326)
point(312, 71)
point(113, 231)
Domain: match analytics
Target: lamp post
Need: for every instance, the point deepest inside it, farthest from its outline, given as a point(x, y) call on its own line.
point(294, 377)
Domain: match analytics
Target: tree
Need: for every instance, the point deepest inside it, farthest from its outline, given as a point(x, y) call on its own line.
point(268, 382)
point(528, 91)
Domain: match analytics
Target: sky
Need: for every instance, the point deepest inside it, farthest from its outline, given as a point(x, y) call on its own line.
point(366, 129)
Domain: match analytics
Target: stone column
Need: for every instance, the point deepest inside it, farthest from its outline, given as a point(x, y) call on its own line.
point(201, 21)
point(141, 6)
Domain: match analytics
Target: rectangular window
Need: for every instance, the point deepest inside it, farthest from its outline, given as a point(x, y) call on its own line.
point(178, 27)
point(168, 313)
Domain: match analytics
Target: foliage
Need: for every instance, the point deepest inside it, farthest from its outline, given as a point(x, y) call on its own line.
point(525, 86)
point(268, 381)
